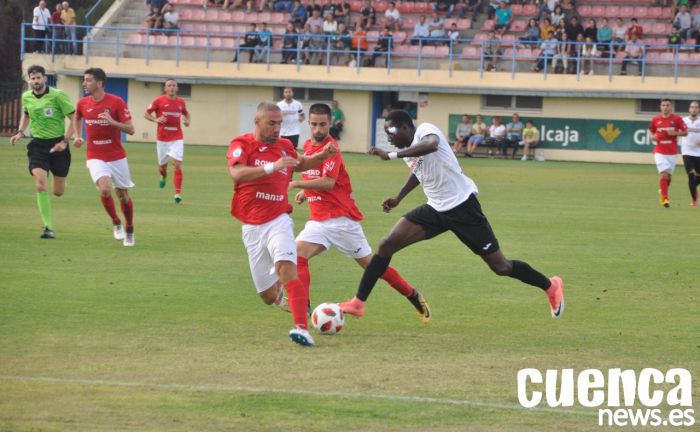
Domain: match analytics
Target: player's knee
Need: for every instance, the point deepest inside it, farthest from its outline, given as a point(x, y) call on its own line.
point(269, 296)
point(387, 247)
point(58, 193)
point(502, 268)
point(105, 192)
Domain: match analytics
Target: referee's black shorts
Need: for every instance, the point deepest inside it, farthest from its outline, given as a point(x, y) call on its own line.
point(466, 221)
point(294, 139)
point(38, 153)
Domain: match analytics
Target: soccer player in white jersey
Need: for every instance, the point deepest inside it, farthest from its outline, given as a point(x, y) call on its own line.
point(292, 116)
point(452, 206)
point(690, 148)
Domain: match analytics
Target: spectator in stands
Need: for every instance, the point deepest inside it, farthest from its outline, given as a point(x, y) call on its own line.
point(469, 6)
point(421, 31)
point(299, 14)
point(317, 46)
point(569, 9)
point(634, 53)
point(342, 43)
point(283, 6)
point(674, 38)
point(154, 19)
point(563, 54)
point(546, 7)
point(634, 29)
point(620, 35)
point(290, 41)
point(684, 21)
point(314, 20)
point(497, 134)
point(453, 35)
point(359, 41)
point(441, 6)
point(437, 29)
point(548, 48)
point(392, 17)
point(532, 33)
point(589, 52)
point(368, 14)
point(573, 29)
point(514, 134)
point(328, 8)
point(504, 17)
point(342, 12)
point(546, 28)
point(383, 47)
point(561, 29)
point(263, 5)
point(330, 25)
point(262, 50)
point(531, 137)
point(462, 133)
point(312, 6)
point(591, 30)
point(411, 109)
point(557, 16)
point(250, 41)
point(57, 34)
point(40, 26)
point(604, 36)
point(493, 6)
point(68, 18)
point(171, 19)
point(479, 131)
point(492, 50)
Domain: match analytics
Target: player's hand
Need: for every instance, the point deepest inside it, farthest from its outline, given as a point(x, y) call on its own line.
point(300, 197)
point(78, 142)
point(106, 116)
point(14, 138)
point(329, 150)
point(59, 147)
point(374, 151)
point(161, 120)
point(293, 185)
point(186, 122)
point(286, 162)
point(389, 204)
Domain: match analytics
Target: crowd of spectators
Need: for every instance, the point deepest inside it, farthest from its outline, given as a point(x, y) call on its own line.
point(499, 138)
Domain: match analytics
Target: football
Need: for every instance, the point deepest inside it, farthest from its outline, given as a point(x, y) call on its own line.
point(327, 318)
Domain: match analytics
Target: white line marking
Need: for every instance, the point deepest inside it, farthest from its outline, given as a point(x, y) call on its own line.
point(244, 389)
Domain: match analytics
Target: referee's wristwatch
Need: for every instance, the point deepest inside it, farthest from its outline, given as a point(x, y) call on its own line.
point(20, 131)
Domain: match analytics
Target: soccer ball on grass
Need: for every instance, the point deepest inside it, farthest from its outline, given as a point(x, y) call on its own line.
point(327, 318)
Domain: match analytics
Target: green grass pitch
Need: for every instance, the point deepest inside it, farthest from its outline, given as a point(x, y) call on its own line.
point(171, 336)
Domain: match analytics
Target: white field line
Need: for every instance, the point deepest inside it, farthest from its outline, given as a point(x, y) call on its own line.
point(262, 390)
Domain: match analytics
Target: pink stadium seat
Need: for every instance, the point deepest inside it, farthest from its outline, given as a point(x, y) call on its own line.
point(264, 17)
point(251, 17)
point(516, 9)
point(413, 50)
point(641, 12)
point(228, 42)
point(211, 14)
point(660, 28)
point(597, 11)
point(518, 26)
point(442, 51)
point(225, 15)
point(627, 12)
point(409, 23)
point(526, 53)
point(529, 10)
point(239, 28)
point(585, 11)
point(187, 41)
point(199, 15)
point(185, 14)
point(355, 5)
point(488, 25)
point(683, 57)
point(612, 12)
point(135, 39)
point(201, 41)
point(238, 16)
point(380, 7)
point(278, 18)
point(406, 7)
point(666, 57)
point(213, 28)
point(215, 42)
point(694, 58)
point(429, 51)
point(226, 29)
point(399, 37)
point(647, 27)
point(423, 8)
point(470, 52)
point(654, 12)
point(479, 37)
point(666, 13)
point(200, 28)
point(464, 24)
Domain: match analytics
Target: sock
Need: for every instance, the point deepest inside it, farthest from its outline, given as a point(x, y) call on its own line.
point(303, 272)
point(663, 185)
point(393, 278)
point(298, 302)
point(44, 202)
point(108, 204)
point(177, 180)
point(524, 273)
point(128, 210)
point(693, 186)
point(377, 266)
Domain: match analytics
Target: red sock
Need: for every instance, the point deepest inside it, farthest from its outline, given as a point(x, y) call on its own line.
point(177, 180)
point(303, 272)
point(128, 210)
point(663, 185)
point(298, 302)
point(393, 278)
point(108, 204)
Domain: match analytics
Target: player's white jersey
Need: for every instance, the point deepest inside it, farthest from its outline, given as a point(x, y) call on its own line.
point(439, 172)
point(290, 117)
point(688, 143)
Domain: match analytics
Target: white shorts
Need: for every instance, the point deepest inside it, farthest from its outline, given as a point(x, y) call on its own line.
point(117, 170)
point(665, 163)
point(173, 149)
point(343, 233)
point(267, 244)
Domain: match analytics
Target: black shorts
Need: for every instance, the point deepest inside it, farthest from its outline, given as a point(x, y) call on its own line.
point(57, 163)
point(466, 221)
point(294, 139)
point(692, 163)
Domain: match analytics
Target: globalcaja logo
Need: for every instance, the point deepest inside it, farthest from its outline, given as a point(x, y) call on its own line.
point(650, 398)
point(609, 133)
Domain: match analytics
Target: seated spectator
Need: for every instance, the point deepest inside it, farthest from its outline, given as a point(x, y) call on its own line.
point(442, 6)
point(557, 16)
point(546, 28)
point(504, 17)
point(546, 7)
point(591, 31)
point(548, 48)
point(171, 19)
point(421, 31)
point(497, 134)
point(634, 53)
point(312, 6)
point(514, 134)
point(684, 21)
point(462, 133)
point(634, 29)
point(369, 15)
point(263, 48)
point(314, 20)
point(328, 8)
point(392, 17)
point(437, 29)
point(569, 9)
point(342, 12)
point(290, 42)
point(619, 35)
point(493, 7)
point(589, 52)
point(573, 29)
point(264, 5)
point(330, 25)
point(492, 50)
point(317, 46)
point(532, 33)
point(674, 38)
point(154, 19)
point(342, 44)
point(531, 136)
point(469, 6)
point(561, 29)
point(359, 40)
point(57, 32)
point(284, 6)
point(299, 14)
point(479, 131)
point(604, 36)
point(250, 41)
point(453, 34)
point(565, 49)
point(383, 47)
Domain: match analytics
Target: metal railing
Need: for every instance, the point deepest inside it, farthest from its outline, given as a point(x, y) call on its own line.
point(483, 55)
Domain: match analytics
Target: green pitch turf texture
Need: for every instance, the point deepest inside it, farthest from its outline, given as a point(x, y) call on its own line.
point(171, 336)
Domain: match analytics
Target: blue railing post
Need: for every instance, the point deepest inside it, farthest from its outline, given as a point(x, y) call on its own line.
point(420, 55)
point(644, 61)
point(86, 45)
point(21, 48)
point(148, 48)
point(481, 60)
point(206, 53)
point(388, 56)
point(512, 66)
point(675, 64)
point(118, 46)
point(178, 41)
point(610, 63)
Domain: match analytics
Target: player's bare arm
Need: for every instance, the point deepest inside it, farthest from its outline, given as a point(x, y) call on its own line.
point(62, 145)
point(428, 144)
point(78, 140)
point(680, 133)
point(150, 117)
point(320, 184)
point(186, 120)
point(126, 127)
point(306, 163)
point(244, 174)
point(393, 202)
point(300, 197)
point(23, 123)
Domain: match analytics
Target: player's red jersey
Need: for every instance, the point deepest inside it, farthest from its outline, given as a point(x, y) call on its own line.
point(103, 141)
point(660, 125)
point(172, 110)
point(264, 199)
point(338, 201)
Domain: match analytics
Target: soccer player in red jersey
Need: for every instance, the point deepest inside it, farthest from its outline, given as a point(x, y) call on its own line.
point(261, 165)
point(334, 216)
point(169, 109)
point(665, 129)
point(106, 116)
